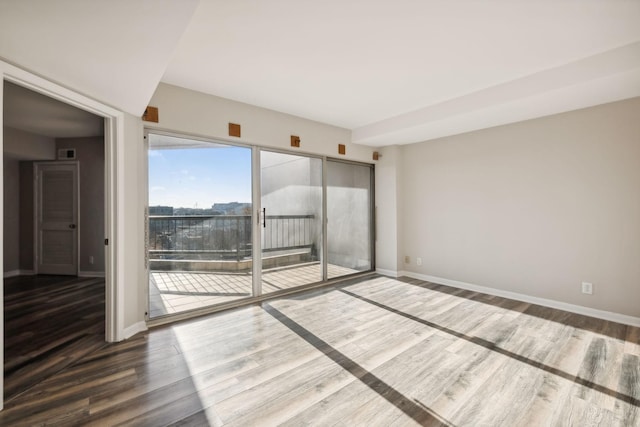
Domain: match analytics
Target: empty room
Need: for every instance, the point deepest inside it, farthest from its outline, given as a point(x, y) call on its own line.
point(320, 213)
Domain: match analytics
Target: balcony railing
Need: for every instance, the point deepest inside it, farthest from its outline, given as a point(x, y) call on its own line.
point(226, 237)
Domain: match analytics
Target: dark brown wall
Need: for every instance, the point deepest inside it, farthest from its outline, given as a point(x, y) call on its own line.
point(26, 216)
point(90, 156)
point(11, 241)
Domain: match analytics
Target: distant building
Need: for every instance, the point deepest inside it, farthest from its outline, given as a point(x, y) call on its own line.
point(194, 211)
point(160, 210)
point(232, 208)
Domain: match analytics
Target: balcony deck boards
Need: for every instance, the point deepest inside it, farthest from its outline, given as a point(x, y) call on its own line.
point(178, 291)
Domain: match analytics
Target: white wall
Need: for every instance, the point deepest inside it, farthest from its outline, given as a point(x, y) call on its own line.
point(387, 191)
point(534, 207)
point(187, 111)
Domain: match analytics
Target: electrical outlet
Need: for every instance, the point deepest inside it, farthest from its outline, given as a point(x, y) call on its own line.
point(407, 259)
point(418, 261)
point(587, 288)
point(91, 260)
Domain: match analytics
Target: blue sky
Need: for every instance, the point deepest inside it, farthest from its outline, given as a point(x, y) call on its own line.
point(199, 177)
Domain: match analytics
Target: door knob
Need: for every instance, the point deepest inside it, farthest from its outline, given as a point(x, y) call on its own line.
point(72, 226)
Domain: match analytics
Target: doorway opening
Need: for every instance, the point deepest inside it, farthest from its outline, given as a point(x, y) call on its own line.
point(54, 273)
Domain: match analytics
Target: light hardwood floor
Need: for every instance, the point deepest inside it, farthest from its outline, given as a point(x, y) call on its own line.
point(370, 352)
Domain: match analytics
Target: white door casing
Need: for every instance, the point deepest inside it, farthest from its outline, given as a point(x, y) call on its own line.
point(57, 220)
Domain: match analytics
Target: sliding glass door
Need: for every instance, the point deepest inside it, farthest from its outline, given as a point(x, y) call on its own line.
point(349, 218)
point(291, 200)
point(228, 222)
point(199, 250)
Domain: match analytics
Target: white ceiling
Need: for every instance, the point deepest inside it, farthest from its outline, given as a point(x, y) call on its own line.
point(112, 50)
point(35, 113)
point(394, 72)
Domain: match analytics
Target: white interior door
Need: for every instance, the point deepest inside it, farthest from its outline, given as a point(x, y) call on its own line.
point(57, 218)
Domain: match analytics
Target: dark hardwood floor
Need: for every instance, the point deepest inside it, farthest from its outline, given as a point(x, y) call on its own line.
point(50, 323)
point(370, 352)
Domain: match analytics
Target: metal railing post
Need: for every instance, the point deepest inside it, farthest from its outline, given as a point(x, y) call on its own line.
point(238, 239)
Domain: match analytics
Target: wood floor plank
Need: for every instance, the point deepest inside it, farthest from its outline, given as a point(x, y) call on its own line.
point(200, 377)
point(632, 341)
point(629, 385)
point(50, 323)
point(378, 412)
point(601, 365)
point(578, 412)
point(413, 362)
point(204, 417)
point(360, 355)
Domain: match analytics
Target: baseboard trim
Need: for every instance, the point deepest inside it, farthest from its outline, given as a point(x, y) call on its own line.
point(573, 308)
point(90, 273)
point(134, 329)
point(384, 272)
point(14, 273)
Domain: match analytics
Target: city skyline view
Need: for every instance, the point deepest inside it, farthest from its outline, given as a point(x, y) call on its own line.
point(199, 177)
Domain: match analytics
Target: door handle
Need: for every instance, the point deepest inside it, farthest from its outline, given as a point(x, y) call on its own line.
point(264, 217)
point(72, 226)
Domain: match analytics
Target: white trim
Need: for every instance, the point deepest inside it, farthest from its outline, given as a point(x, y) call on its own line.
point(114, 133)
point(116, 235)
point(573, 308)
point(145, 231)
point(134, 329)
point(256, 244)
point(2, 64)
point(390, 273)
point(90, 273)
point(14, 273)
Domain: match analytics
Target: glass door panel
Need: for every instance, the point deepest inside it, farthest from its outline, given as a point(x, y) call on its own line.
point(349, 222)
point(291, 224)
point(199, 249)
